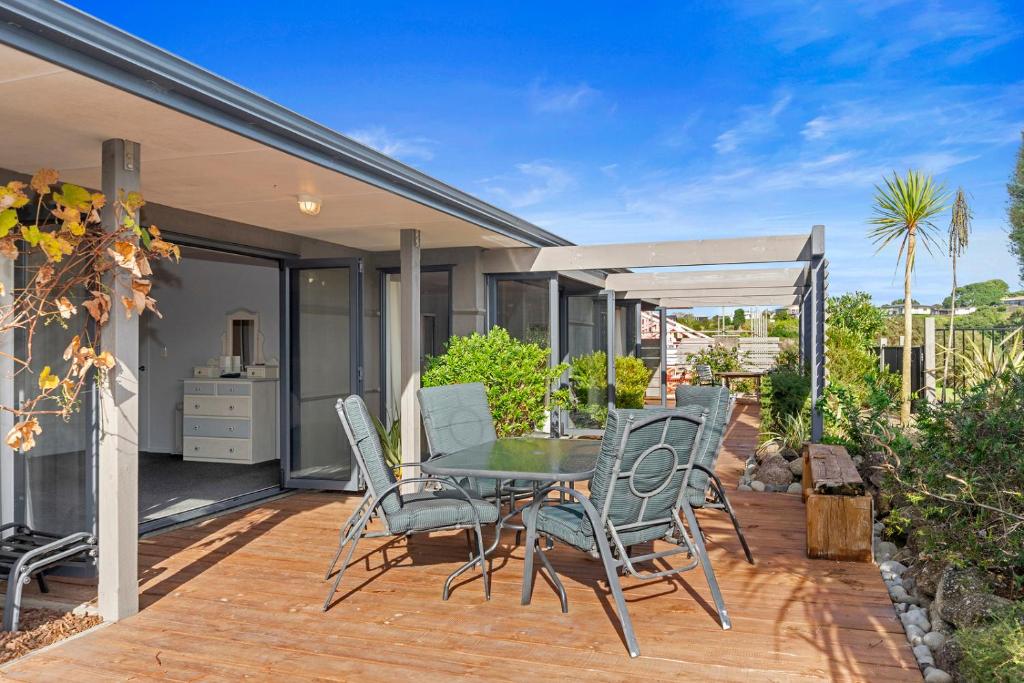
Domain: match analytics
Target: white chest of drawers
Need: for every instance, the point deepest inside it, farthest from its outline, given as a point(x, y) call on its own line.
point(230, 420)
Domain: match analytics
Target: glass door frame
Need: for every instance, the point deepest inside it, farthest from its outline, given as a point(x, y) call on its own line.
point(355, 341)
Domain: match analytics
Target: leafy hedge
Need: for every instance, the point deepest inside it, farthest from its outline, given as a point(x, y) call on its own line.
point(994, 652)
point(516, 374)
point(718, 358)
point(966, 476)
point(588, 376)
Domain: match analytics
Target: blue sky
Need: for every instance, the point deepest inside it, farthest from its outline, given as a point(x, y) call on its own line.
point(609, 122)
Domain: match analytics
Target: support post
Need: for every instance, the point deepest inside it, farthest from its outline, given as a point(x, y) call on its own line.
point(663, 345)
point(118, 488)
point(638, 337)
point(554, 416)
point(7, 487)
point(929, 359)
point(411, 342)
point(612, 338)
point(816, 338)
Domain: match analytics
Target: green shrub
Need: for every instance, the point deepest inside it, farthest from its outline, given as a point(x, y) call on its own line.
point(994, 652)
point(632, 377)
point(718, 358)
point(966, 475)
point(516, 374)
point(588, 376)
point(786, 328)
point(784, 393)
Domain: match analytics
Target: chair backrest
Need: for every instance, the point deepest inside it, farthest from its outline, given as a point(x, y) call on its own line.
point(368, 453)
point(718, 402)
point(704, 374)
point(644, 463)
point(456, 416)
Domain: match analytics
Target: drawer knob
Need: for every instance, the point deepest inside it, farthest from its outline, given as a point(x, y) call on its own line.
point(231, 407)
point(231, 450)
point(195, 428)
point(197, 406)
point(231, 429)
point(195, 448)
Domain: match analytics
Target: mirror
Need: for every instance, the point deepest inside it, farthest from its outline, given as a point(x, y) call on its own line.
point(243, 338)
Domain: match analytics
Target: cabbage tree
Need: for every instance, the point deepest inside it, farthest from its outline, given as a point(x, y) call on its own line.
point(903, 212)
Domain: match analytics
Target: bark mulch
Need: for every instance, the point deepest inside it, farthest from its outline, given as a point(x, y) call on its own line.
point(42, 627)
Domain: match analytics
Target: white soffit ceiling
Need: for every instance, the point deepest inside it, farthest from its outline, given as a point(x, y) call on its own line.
point(57, 118)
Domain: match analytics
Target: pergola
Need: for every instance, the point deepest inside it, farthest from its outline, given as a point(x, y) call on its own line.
point(798, 276)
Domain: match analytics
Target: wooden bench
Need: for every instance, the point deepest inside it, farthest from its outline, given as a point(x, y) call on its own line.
point(839, 512)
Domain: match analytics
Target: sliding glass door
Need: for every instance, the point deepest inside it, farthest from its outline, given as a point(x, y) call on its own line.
point(323, 365)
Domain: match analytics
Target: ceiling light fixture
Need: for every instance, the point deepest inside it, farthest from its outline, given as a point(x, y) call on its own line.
point(309, 205)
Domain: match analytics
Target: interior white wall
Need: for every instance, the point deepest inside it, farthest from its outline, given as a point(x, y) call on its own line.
point(194, 297)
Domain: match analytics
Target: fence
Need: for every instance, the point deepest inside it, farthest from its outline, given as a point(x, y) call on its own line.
point(892, 360)
point(973, 354)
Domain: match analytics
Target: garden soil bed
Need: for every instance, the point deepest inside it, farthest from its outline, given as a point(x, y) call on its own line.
point(42, 627)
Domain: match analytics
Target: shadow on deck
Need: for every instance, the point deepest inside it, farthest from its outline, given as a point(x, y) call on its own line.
point(239, 596)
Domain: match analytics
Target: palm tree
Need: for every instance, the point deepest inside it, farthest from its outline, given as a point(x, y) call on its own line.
point(902, 213)
point(959, 234)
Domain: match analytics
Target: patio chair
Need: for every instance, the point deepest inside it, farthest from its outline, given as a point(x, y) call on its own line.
point(638, 490)
point(26, 553)
point(404, 514)
point(705, 489)
point(705, 377)
point(457, 416)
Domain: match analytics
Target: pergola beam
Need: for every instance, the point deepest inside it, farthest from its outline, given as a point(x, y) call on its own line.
point(769, 249)
point(710, 301)
point(739, 294)
point(708, 279)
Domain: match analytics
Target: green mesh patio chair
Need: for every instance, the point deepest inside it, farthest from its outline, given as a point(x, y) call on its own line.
point(638, 490)
point(705, 377)
point(705, 489)
point(404, 514)
point(457, 416)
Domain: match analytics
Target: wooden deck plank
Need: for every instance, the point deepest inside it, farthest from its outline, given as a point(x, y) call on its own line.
point(239, 596)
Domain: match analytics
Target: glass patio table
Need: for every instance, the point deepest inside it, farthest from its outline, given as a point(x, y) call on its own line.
point(529, 458)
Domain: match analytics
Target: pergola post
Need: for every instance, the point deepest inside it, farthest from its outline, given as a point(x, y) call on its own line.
point(554, 415)
point(118, 485)
point(411, 342)
point(663, 346)
point(817, 344)
point(612, 340)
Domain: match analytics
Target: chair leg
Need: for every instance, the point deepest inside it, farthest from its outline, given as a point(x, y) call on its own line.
point(705, 563)
point(469, 543)
point(611, 570)
point(530, 517)
point(720, 492)
point(481, 560)
point(343, 534)
point(562, 597)
point(12, 606)
point(356, 535)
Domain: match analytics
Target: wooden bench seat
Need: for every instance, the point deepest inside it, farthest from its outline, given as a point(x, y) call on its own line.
point(839, 513)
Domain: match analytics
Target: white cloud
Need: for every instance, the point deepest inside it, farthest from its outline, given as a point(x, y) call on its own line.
point(386, 142)
point(559, 99)
point(755, 122)
point(532, 183)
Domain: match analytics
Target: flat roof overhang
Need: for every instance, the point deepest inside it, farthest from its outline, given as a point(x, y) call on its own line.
point(210, 146)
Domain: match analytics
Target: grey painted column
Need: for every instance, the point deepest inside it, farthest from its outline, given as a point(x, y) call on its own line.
point(118, 486)
point(612, 344)
point(663, 344)
point(817, 346)
point(554, 415)
point(638, 338)
point(411, 342)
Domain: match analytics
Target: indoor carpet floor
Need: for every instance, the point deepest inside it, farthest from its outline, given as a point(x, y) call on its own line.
point(168, 484)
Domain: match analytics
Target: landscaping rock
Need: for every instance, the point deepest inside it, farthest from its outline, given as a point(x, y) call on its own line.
point(934, 640)
point(964, 597)
point(766, 450)
point(744, 487)
point(797, 468)
point(893, 567)
point(795, 488)
point(934, 675)
point(916, 617)
point(915, 634)
point(757, 485)
point(775, 470)
point(898, 593)
point(789, 454)
point(926, 575)
point(924, 656)
point(884, 550)
point(948, 658)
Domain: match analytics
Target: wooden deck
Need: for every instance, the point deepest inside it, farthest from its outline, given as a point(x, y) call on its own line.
point(239, 597)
